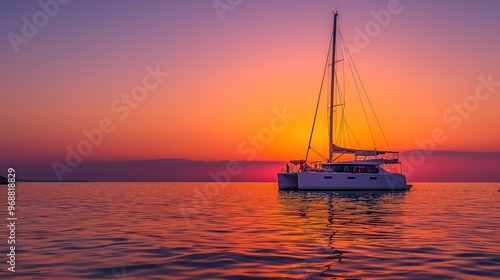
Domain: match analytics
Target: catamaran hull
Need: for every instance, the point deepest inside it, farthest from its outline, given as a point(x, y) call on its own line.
point(287, 181)
point(342, 181)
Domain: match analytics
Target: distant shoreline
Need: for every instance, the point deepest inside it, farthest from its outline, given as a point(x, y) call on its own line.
point(4, 181)
point(51, 181)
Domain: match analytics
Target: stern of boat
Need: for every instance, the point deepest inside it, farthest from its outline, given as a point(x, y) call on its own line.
point(288, 181)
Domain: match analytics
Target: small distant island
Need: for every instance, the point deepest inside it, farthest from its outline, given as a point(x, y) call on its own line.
point(4, 181)
point(51, 181)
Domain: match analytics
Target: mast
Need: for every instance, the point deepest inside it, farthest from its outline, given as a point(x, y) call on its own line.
point(332, 85)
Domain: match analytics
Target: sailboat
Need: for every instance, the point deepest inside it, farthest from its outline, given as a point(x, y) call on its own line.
point(365, 170)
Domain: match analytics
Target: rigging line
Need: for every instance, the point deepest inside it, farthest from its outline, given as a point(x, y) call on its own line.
point(327, 99)
point(319, 154)
point(342, 114)
point(343, 97)
point(371, 107)
point(349, 139)
point(338, 120)
point(319, 98)
point(368, 98)
point(357, 89)
point(352, 133)
point(341, 138)
point(343, 83)
point(341, 102)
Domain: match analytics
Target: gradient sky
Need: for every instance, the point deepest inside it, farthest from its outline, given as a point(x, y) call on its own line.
point(230, 72)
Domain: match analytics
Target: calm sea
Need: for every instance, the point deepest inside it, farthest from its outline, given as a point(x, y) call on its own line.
point(252, 231)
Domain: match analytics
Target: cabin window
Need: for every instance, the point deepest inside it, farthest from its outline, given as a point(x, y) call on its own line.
point(371, 169)
point(338, 168)
point(365, 169)
point(349, 168)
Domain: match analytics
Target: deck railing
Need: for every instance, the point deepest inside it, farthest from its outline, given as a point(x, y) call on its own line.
point(382, 156)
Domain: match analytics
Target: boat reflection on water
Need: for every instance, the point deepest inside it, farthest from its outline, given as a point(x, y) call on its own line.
point(339, 226)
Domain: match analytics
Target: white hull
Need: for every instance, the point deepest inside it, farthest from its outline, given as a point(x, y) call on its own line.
point(342, 181)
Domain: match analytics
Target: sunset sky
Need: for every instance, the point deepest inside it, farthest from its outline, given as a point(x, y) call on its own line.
point(198, 79)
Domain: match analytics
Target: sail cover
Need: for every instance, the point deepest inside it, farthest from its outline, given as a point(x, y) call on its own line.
point(358, 152)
